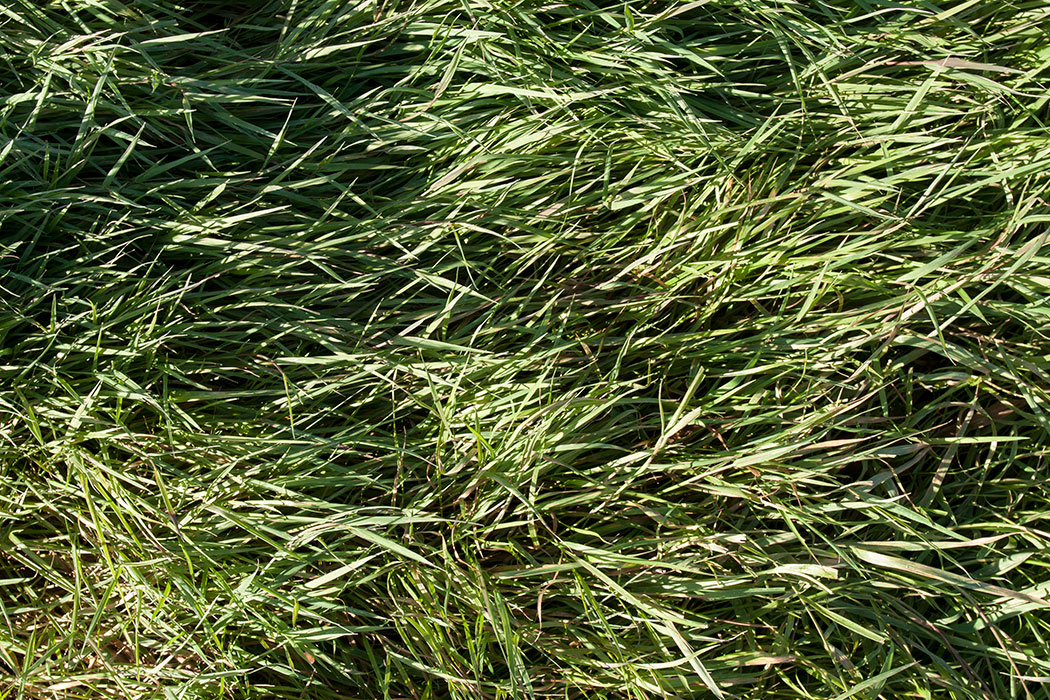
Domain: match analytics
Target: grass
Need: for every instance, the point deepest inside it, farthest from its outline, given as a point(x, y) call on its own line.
point(493, 349)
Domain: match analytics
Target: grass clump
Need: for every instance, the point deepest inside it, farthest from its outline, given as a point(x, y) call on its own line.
point(433, 349)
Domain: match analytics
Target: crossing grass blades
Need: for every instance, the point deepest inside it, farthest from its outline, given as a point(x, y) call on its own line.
point(481, 350)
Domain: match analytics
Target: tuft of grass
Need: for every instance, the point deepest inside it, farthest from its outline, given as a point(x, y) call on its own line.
point(490, 349)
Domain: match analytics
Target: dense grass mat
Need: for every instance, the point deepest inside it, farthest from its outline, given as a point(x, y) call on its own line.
point(456, 349)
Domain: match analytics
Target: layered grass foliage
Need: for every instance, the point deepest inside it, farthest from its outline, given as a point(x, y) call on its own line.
point(493, 349)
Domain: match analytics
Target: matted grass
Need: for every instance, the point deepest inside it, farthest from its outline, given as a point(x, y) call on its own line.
point(440, 349)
